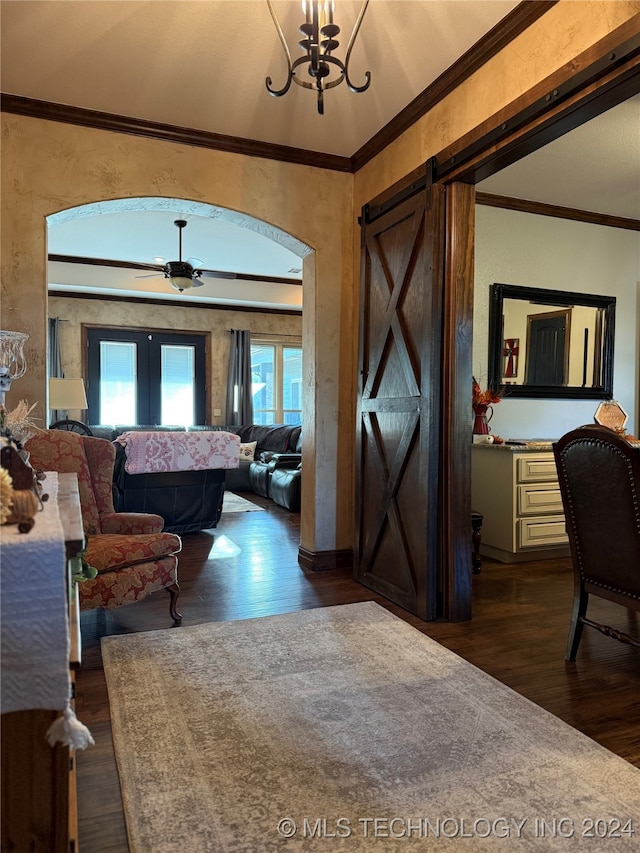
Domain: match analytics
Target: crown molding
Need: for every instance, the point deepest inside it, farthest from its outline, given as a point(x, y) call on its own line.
point(518, 20)
point(541, 209)
point(525, 14)
point(33, 108)
point(172, 303)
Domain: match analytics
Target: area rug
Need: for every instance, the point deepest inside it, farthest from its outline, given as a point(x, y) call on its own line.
point(345, 729)
point(234, 503)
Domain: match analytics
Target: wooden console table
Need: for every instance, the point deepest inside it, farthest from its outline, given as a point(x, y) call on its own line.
point(39, 812)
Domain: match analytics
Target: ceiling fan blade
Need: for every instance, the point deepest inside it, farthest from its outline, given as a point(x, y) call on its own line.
point(153, 275)
point(195, 262)
point(197, 282)
point(217, 274)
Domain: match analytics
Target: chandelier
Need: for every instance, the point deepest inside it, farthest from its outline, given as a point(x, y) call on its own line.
point(319, 42)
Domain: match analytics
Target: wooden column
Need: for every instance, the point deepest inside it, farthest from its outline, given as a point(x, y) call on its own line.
point(455, 457)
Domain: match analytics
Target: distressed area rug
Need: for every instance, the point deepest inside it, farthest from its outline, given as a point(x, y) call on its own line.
point(344, 728)
point(234, 503)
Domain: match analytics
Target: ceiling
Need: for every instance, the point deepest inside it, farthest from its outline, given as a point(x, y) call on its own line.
point(202, 64)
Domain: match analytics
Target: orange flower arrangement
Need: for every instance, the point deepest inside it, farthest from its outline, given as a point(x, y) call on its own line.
point(484, 398)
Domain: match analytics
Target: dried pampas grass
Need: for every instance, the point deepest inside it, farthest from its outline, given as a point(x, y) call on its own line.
point(18, 424)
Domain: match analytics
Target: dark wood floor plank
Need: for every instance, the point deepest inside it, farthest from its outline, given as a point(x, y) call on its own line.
point(248, 568)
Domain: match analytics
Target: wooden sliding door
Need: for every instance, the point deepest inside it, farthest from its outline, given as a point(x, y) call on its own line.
point(398, 428)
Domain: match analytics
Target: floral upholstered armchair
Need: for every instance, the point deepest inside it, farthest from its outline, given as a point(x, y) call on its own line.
point(131, 554)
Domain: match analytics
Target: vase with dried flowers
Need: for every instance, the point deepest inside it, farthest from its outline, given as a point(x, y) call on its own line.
point(482, 403)
point(18, 425)
point(20, 491)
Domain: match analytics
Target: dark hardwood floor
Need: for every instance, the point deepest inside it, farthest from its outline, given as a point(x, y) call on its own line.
point(248, 567)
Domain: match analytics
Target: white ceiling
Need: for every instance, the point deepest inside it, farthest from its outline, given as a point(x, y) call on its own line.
point(202, 64)
point(595, 168)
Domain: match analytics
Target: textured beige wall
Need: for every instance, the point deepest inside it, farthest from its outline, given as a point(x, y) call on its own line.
point(75, 312)
point(48, 166)
point(562, 33)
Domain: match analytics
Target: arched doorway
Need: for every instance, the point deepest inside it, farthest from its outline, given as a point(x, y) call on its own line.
point(98, 251)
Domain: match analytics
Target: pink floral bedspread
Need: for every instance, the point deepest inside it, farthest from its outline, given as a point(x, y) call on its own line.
point(153, 452)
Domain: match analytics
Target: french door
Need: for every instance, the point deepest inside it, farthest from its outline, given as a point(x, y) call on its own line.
point(145, 377)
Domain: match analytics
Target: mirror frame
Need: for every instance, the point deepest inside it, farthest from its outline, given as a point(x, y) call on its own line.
point(500, 292)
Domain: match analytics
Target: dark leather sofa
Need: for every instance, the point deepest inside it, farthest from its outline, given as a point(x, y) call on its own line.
point(188, 501)
point(192, 500)
point(279, 445)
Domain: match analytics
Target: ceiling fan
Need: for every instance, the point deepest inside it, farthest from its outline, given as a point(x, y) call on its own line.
point(183, 275)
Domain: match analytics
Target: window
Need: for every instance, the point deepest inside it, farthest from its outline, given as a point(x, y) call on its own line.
point(277, 382)
point(144, 377)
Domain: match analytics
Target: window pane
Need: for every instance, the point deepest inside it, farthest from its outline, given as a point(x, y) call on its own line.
point(262, 375)
point(117, 383)
point(292, 382)
point(177, 385)
point(263, 418)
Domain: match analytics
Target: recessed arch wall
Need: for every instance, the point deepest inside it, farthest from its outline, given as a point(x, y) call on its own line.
point(179, 313)
point(55, 167)
point(185, 207)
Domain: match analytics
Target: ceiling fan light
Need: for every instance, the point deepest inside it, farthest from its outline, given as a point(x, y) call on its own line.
point(181, 282)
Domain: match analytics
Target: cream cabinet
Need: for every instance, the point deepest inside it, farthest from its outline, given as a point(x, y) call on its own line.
point(518, 494)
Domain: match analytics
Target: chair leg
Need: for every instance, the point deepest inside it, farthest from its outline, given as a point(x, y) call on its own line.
point(476, 538)
point(580, 601)
point(174, 592)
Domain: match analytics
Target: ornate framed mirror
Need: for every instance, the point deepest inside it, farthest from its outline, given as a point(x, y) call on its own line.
point(551, 344)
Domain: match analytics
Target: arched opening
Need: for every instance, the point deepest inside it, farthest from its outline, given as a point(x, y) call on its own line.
point(98, 255)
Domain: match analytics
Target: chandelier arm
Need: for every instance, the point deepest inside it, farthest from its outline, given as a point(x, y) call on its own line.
point(300, 61)
point(325, 85)
point(354, 34)
point(277, 93)
point(303, 83)
point(335, 61)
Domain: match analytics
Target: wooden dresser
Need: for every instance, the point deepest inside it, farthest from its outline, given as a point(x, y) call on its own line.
point(39, 813)
point(517, 491)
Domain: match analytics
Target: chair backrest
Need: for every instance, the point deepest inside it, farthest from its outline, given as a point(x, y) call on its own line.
point(92, 459)
point(599, 475)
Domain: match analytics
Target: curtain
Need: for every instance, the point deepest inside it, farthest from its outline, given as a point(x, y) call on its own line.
point(239, 392)
point(54, 359)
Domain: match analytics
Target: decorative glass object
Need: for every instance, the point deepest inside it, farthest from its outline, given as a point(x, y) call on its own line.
point(13, 364)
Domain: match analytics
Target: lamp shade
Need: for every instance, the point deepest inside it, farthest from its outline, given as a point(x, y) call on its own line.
point(181, 282)
point(67, 394)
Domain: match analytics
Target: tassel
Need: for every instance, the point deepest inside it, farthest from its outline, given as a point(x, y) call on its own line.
point(69, 731)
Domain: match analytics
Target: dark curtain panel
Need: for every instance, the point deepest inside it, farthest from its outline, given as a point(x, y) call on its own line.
point(54, 360)
point(239, 393)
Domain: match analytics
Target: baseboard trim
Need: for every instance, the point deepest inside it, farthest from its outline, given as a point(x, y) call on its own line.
point(322, 561)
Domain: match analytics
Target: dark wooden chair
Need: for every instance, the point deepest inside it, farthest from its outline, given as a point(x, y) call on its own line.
point(599, 475)
point(476, 540)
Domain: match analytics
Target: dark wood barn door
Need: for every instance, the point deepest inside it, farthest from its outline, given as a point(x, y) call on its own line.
point(399, 396)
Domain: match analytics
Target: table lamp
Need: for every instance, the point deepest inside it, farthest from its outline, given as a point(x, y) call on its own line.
point(65, 394)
